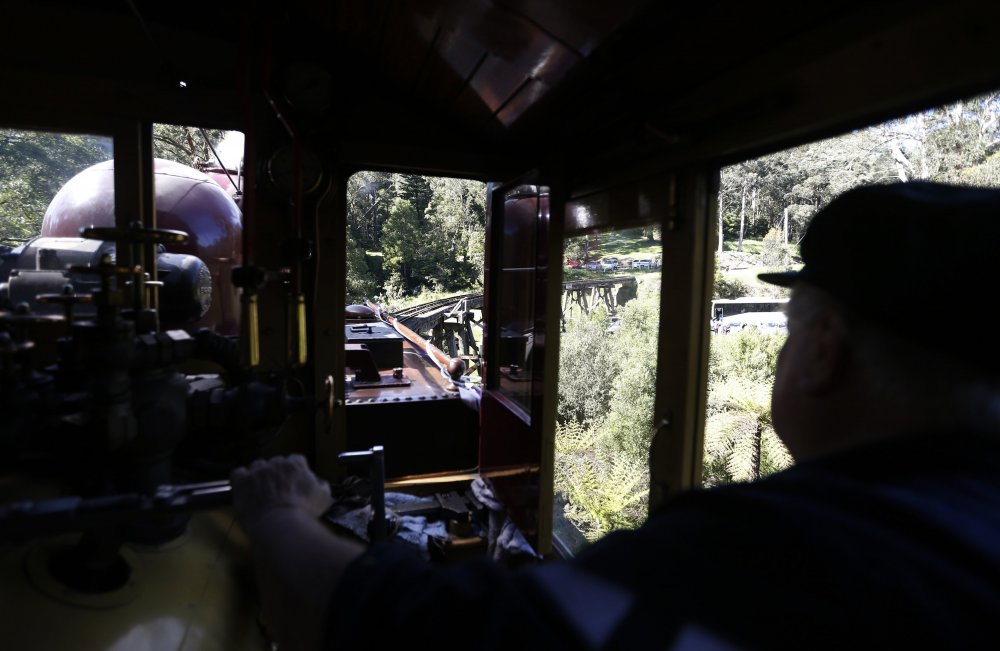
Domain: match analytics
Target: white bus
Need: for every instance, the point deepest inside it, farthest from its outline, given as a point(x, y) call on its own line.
point(732, 314)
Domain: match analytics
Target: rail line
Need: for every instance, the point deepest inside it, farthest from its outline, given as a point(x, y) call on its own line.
point(579, 296)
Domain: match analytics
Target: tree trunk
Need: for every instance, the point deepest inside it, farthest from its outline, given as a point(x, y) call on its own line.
point(786, 226)
point(743, 218)
point(720, 222)
point(758, 437)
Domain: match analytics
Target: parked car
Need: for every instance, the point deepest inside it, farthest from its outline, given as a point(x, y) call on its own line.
point(592, 265)
point(609, 264)
point(642, 264)
point(574, 264)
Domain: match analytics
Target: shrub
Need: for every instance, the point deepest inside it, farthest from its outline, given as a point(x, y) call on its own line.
point(603, 490)
point(740, 442)
point(588, 366)
point(749, 354)
point(725, 287)
point(774, 253)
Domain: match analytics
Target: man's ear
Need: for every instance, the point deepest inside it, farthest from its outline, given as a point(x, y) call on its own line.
point(826, 353)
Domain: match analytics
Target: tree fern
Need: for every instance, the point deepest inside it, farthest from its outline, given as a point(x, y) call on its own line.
point(740, 443)
point(603, 490)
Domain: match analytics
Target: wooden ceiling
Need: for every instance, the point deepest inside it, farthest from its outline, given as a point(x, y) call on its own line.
point(576, 82)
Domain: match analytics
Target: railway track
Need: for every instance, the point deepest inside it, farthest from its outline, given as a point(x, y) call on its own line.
point(433, 307)
point(447, 322)
point(423, 317)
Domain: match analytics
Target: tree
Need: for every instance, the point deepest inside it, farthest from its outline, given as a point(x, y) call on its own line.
point(34, 165)
point(369, 198)
point(588, 366)
point(415, 189)
point(774, 253)
point(941, 143)
point(583, 247)
point(186, 145)
point(754, 190)
point(360, 281)
point(456, 222)
point(629, 423)
point(740, 442)
point(442, 242)
point(403, 246)
point(606, 393)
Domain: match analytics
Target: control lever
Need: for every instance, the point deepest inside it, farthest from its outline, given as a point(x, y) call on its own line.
point(58, 515)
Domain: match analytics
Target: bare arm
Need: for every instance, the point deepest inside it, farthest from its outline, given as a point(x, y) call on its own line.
point(298, 561)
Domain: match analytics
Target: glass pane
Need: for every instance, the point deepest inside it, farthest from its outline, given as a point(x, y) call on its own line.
point(524, 206)
point(34, 165)
point(607, 381)
point(198, 175)
point(416, 247)
point(39, 233)
point(764, 207)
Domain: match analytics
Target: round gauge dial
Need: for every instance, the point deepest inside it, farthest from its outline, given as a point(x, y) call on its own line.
point(280, 168)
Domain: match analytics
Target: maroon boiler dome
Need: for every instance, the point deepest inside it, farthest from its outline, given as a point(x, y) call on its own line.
point(186, 200)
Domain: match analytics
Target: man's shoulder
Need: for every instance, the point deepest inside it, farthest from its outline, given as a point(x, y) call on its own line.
point(821, 543)
point(905, 488)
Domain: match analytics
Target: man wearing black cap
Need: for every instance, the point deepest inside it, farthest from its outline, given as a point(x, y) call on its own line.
point(886, 533)
point(880, 338)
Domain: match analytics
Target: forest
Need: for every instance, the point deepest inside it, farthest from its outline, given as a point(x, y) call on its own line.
point(957, 143)
point(413, 236)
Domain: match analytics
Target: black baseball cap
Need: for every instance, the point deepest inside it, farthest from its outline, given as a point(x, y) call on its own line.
point(920, 258)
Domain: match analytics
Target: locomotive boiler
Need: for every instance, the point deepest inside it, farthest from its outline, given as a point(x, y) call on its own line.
point(197, 291)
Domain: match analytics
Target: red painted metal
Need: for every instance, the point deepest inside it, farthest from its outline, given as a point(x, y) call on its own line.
point(511, 409)
point(186, 200)
point(226, 181)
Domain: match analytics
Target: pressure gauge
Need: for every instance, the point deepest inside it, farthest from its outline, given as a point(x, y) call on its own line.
point(280, 169)
point(307, 87)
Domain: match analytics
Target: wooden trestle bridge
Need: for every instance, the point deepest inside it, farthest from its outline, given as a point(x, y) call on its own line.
point(448, 322)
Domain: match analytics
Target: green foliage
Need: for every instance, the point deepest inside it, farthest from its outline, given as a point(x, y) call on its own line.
point(186, 145)
point(748, 354)
point(360, 281)
point(456, 217)
point(583, 247)
point(431, 231)
point(752, 247)
point(606, 393)
point(402, 246)
point(415, 189)
point(986, 174)
point(587, 369)
point(369, 196)
point(603, 489)
point(629, 423)
point(774, 253)
point(740, 442)
point(953, 143)
point(34, 165)
point(727, 286)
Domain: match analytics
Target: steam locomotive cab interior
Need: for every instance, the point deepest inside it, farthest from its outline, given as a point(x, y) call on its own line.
point(168, 324)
